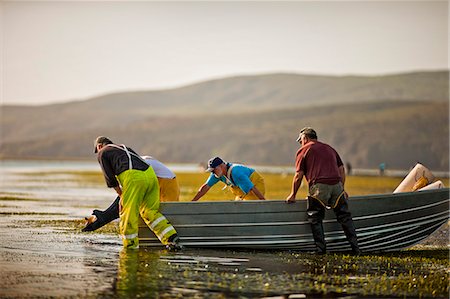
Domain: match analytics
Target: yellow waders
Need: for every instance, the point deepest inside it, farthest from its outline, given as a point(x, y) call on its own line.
point(140, 196)
point(258, 181)
point(169, 190)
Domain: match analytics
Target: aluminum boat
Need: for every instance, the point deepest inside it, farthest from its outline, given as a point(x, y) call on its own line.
point(384, 222)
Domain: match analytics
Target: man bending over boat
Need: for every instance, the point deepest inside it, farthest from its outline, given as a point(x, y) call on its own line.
point(138, 191)
point(169, 190)
point(245, 182)
point(325, 174)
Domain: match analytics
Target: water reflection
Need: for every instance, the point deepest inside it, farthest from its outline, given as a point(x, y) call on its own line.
point(193, 273)
point(137, 274)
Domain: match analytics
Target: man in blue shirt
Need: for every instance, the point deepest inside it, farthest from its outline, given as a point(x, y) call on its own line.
point(245, 182)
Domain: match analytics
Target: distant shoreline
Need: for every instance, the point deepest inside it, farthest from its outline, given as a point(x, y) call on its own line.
point(83, 164)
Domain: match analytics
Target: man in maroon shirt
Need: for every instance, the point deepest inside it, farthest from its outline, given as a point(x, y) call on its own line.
point(325, 173)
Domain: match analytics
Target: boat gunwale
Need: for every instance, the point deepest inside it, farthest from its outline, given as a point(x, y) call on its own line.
point(381, 196)
point(427, 213)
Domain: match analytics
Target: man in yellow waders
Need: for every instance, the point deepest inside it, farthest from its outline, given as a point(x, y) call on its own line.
point(169, 190)
point(245, 182)
point(139, 194)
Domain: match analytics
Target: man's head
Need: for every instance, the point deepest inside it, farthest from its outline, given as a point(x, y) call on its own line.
point(306, 134)
point(217, 166)
point(100, 142)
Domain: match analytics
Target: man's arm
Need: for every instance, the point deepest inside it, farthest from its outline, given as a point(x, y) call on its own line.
point(342, 174)
point(202, 191)
point(107, 169)
point(257, 193)
point(296, 183)
point(119, 192)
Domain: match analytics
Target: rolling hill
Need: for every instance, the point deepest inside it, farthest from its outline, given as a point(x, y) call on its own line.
point(396, 119)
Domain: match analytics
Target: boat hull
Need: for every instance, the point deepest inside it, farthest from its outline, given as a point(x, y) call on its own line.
point(383, 222)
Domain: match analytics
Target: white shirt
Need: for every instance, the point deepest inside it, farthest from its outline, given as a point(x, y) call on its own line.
point(160, 169)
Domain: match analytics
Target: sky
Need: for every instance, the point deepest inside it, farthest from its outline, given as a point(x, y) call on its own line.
point(72, 50)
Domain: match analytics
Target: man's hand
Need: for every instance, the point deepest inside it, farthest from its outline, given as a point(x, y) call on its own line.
point(257, 193)
point(296, 183)
point(290, 198)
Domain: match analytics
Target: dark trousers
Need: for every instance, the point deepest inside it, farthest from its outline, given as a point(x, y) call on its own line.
point(316, 213)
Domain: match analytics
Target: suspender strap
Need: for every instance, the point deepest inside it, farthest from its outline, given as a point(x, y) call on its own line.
point(228, 176)
point(124, 148)
point(129, 156)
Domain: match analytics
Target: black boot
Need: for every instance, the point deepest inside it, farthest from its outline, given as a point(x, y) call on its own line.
point(315, 219)
point(104, 217)
point(344, 217)
point(173, 244)
point(319, 238)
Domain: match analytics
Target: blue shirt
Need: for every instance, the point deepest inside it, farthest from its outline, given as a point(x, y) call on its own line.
point(240, 177)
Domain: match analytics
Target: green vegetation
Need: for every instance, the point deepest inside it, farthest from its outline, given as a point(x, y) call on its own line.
point(31, 213)
point(278, 186)
point(11, 197)
point(411, 273)
point(71, 226)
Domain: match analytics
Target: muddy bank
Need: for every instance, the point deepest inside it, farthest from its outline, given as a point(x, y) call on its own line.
point(440, 238)
point(52, 258)
point(43, 254)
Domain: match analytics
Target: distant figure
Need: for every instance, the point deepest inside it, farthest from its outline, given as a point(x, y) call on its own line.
point(349, 168)
point(244, 181)
point(169, 190)
point(325, 173)
point(381, 168)
point(137, 186)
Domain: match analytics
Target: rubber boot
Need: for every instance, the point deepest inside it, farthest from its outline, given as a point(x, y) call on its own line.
point(344, 217)
point(173, 243)
point(317, 231)
point(103, 217)
point(319, 238)
point(350, 233)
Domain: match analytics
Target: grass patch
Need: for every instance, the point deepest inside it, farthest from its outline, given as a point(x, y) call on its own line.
point(30, 213)
point(278, 186)
point(403, 274)
point(14, 198)
point(70, 226)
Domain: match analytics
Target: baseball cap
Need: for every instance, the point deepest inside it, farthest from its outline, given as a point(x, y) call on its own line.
point(213, 163)
point(308, 131)
point(101, 140)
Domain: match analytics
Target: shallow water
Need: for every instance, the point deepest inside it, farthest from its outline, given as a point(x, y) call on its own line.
point(44, 254)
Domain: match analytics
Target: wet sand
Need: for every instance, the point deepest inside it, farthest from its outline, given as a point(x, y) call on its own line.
point(44, 254)
point(42, 258)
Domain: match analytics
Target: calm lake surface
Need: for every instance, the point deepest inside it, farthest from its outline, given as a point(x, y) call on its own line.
point(44, 254)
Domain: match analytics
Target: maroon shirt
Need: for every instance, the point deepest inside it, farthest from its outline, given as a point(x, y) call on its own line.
point(319, 162)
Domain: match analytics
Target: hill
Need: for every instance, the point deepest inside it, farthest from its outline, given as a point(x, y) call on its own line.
point(367, 134)
point(397, 119)
point(245, 93)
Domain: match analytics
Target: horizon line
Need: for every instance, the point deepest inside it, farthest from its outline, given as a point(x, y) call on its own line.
point(215, 78)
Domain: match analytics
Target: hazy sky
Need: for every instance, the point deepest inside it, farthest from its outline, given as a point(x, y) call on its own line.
point(60, 51)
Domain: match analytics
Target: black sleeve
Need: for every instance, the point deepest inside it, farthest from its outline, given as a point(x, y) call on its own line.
point(107, 169)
